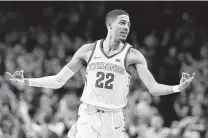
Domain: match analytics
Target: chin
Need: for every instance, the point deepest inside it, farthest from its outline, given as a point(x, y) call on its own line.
point(122, 39)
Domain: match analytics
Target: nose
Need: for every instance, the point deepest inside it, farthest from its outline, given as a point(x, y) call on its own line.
point(126, 28)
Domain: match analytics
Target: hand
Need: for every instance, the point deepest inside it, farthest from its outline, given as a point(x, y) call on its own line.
point(184, 77)
point(185, 80)
point(16, 77)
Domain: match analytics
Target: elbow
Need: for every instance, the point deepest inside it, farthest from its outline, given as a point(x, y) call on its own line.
point(153, 89)
point(58, 82)
point(153, 92)
point(58, 86)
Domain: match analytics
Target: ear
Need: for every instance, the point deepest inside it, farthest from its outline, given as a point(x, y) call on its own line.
point(109, 27)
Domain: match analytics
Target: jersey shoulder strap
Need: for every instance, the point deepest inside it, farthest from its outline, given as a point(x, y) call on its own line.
point(96, 43)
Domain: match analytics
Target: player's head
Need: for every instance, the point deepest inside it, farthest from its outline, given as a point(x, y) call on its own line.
point(118, 24)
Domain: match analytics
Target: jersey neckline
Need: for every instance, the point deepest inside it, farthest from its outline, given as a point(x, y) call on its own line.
point(101, 48)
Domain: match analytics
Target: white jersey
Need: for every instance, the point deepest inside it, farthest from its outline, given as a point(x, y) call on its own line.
point(107, 80)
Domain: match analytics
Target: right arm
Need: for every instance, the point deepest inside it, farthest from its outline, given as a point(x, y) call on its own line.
point(58, 80)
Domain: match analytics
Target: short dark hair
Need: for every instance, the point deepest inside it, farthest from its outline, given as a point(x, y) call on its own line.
point(112, 15)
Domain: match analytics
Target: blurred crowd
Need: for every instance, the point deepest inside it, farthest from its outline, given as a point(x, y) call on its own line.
point(41, 38)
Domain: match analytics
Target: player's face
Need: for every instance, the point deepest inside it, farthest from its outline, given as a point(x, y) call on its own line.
point(121, 27)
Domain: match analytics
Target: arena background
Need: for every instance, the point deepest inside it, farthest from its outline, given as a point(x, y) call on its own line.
point(41, 37)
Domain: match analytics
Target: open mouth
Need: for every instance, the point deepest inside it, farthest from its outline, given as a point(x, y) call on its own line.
point(124, 34)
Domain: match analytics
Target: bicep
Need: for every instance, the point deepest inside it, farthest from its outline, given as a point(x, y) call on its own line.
point(145, 75)
point(140, 64)
point(80, 57)
point(75, 64)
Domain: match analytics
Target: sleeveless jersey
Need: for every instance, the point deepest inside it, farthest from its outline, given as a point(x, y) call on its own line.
point(107, 80)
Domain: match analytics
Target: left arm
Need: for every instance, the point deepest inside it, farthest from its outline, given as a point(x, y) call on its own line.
point(155, 88)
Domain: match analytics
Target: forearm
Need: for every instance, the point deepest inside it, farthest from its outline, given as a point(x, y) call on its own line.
point(54, 82)
point(154, 87)
point(161, 89)
point(46, 82)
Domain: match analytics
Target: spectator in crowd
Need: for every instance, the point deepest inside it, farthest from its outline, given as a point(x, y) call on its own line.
point(29, 40)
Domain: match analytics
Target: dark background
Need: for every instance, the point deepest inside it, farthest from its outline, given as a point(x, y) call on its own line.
point(41, 37)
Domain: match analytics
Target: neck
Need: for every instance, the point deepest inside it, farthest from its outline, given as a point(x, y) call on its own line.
point(111, 44)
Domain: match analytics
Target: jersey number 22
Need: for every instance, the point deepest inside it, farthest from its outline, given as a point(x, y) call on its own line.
point(107, 84)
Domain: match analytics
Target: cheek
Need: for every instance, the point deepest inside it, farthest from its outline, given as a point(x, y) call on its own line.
point(118, 30)
point(115, 32)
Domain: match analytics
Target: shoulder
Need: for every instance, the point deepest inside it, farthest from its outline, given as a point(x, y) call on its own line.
point(134, 56)
point(87, 47)
point(85, 51)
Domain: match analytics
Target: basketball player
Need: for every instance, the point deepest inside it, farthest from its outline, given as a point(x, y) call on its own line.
point(110, 62)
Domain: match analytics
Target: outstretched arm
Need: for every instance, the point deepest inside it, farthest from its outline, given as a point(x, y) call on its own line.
point(58, 80)
point(137, 59)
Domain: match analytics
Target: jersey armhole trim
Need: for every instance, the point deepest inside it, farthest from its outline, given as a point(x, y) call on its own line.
point(92, 52)
point(125, 60)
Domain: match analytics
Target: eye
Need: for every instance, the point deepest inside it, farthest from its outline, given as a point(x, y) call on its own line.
point(122, 23)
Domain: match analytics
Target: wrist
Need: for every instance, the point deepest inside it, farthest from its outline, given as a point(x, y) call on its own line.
point(26, 82)
point(176, 88)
